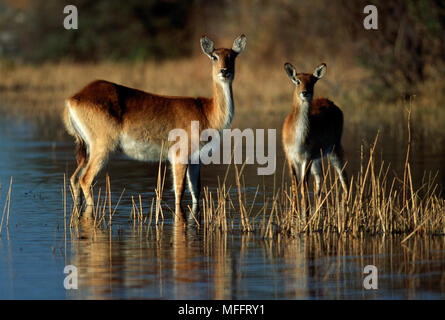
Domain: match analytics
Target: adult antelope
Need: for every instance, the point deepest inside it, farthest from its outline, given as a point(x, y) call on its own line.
point(312, 130)
point(104, 116)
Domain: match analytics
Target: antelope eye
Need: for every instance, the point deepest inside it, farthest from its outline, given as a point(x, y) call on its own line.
point(298, 82)
point(214, 57)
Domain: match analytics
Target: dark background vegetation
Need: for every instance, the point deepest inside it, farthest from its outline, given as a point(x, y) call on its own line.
point(408, 48)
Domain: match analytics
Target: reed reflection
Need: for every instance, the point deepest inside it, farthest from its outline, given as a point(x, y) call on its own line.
point(185, 262)
point(410, 270)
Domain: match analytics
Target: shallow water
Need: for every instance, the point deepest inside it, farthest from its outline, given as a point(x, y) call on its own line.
point(176, 262)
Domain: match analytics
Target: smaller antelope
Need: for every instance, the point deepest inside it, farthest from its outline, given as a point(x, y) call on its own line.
point(313, 129)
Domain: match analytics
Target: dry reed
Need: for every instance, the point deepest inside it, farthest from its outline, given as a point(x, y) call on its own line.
point(376, 204)
point(6, 207)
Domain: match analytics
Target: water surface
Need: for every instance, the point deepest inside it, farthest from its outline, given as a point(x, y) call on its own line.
point(184, 262)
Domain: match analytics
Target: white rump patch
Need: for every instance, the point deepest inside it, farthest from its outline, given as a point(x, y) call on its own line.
point(78, 127)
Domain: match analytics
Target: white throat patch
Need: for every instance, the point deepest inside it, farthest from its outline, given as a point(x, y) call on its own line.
point(302, 126)
point(227, 89)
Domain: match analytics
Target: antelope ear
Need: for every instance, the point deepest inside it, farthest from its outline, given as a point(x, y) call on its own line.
point(320, 71)
point(291, 72)
point(239, 44)
point(207, 46)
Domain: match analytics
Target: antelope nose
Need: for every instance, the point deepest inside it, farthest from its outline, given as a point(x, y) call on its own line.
point(304, 94)
point(224, 72)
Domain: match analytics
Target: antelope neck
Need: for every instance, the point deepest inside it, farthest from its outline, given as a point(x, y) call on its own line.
point(222, 105)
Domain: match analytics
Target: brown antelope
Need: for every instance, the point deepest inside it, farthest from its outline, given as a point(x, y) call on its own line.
point(104, 116)
point(312, 130)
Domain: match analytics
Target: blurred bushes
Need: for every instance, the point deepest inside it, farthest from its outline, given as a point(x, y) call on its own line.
point(407, 49)
point(111, 29)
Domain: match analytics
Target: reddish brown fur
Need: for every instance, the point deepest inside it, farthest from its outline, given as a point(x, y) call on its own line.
point(140, 114)
point(100, 114)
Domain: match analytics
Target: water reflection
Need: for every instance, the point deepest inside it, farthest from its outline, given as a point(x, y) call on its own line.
point(413, 270)
point(183, 262)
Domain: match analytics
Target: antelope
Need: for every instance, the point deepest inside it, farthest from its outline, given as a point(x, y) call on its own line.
point(312, 130)
point(104, 116)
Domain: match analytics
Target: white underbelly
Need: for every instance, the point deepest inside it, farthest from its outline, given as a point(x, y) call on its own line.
point(140, 150)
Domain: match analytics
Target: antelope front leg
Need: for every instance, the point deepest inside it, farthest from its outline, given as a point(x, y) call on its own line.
point(304, 177)
point(305, 167)
point(294, 178)
point(179, 171)
point(341, 171)
point(316, 171)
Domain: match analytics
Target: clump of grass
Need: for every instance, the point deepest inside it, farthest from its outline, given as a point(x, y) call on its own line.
point(377, 203)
